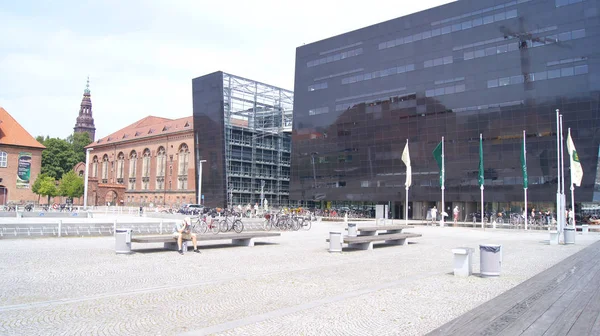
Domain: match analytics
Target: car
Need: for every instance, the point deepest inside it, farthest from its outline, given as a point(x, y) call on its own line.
point(192, 209)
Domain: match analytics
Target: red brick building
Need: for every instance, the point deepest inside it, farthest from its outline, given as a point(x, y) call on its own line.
point(20, 161)
point(148, 162)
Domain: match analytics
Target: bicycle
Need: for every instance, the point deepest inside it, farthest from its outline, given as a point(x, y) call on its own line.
point(231, 222)
point(203, 223)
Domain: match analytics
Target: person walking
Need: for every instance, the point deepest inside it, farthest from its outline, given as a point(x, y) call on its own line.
point(455, 213)
point(434, 212)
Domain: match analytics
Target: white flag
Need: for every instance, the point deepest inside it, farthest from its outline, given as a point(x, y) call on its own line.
point(406, 160)
point(576, 170)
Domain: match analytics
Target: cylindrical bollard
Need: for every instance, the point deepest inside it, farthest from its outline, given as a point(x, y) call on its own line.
point(60, 227)
point(335, 242)
point(490, 258)
point(351, 229)
point(569, 235)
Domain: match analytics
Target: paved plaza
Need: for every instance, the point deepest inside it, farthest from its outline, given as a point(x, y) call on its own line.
point(288, 285)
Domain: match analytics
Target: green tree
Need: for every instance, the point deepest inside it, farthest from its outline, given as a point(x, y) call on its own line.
point(71, 185)
point(45, 185)
point(78, 142)
point(58, 158)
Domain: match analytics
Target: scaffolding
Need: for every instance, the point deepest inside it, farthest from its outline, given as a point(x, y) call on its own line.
point(258, 126)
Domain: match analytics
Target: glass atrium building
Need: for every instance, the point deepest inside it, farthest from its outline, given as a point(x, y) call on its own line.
point(473, 66)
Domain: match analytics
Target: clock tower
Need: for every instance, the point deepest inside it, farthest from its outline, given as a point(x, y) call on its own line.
point(85, 121)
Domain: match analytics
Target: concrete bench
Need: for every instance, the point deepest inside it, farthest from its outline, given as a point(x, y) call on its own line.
point(382, 229)
point(366, 242)
point(241, 239)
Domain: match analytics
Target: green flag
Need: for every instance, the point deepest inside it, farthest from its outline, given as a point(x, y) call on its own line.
point(524, 162)
point(481, 178)
point(437, 155)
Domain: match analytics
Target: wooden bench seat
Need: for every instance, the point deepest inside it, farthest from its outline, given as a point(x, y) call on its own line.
point(366, 242)
point(170, 242)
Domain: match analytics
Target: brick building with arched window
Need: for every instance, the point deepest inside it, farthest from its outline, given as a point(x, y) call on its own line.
point(148, 162)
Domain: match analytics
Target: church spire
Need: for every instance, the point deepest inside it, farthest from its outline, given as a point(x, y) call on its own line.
point(85, 121)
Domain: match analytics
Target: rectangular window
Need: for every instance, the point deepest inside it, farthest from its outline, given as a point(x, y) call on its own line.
point(417, 37)
point(581, 69)
point(456, 27)
point(516, 79)
point(490, 51)
point(446, 30)
point(437, 61)
point(511, 14)
point(543, 75)
point(566, 72)
point(3, 160)
point(428, 64)
point(477, 22)
point(468, 55)
point(466, 25)
point(436, 32)
point(553, 74)
point(500, 16)
point(564, 36)
point(578, 34)
point(504, 81)
point(426, 35)
point(439, 91)
point(502, 49)
point(447, 59)
point(449, 90)
point(513, 46)
point(488, 19)
point(492, 83)
point(430, 93)
point(479, 53)
point(460, 88)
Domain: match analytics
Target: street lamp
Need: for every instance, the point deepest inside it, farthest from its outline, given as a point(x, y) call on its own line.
point(87, 172)
point(200, 162)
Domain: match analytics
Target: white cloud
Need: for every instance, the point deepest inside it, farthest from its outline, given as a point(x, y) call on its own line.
point(142, 55)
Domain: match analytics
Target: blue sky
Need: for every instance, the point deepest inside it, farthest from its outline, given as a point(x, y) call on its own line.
point(142, 55)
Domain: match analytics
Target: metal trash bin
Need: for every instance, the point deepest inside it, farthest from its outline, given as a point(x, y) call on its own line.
point(335, 242)
point(462, 261)
point(569, 235)
point(490, 260)
point(123, 241)
point(351, 229)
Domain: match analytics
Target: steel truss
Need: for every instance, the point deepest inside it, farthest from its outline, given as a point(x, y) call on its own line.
point(258, 124)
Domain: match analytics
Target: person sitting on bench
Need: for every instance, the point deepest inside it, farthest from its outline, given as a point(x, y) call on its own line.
point(183, 230)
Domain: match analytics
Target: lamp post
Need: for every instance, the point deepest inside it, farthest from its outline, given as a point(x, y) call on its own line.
point(87, 173)
point(200, 162)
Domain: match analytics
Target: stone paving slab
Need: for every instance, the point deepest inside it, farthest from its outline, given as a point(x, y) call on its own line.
point(287, 285)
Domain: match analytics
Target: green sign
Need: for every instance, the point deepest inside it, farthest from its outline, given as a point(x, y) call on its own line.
point(24, 170)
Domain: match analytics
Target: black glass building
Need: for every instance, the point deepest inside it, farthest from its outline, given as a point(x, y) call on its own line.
point(469, 67)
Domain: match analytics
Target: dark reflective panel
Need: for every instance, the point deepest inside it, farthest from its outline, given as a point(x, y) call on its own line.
point(492, 68)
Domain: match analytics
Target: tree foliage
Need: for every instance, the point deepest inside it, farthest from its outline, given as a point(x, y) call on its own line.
point(45, 185)
point(58, 158)
point(71, 185)
point(78, 142)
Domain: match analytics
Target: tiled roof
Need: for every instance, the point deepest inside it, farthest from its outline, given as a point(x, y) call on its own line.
point(147, 127)
point(12, 133)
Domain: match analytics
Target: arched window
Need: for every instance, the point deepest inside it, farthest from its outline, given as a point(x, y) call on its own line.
point(132, 169)
point(184, 155)
point(146, 163)
point(95, 166)
point(161, 161)
point(146, 169)
point(105, 169)
point(120, 167)
point(3, 160)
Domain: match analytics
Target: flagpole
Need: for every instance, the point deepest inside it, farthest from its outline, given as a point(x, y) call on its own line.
point(481, 185)
point(558, 197)
point(572, 185)
point(563, 202)
point(407, 187)
point(524, 188)
point(443, 184)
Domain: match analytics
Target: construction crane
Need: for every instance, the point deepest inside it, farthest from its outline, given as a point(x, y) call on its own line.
point(526, 39)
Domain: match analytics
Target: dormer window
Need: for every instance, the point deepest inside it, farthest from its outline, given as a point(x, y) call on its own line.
point(137, 133)
point(187, 124)
point(151, 131)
